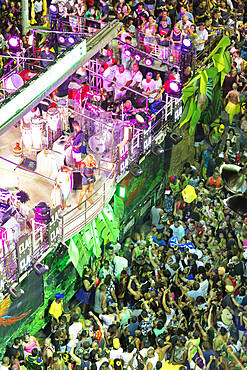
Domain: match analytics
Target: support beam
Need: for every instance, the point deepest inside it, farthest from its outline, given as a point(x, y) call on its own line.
point(24, 16)
point(46, 81)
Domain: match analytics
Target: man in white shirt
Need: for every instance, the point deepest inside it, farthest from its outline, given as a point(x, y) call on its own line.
point(108, 76)
point(120, 263)
point(74, 330)
point(136, 75)
point(117, 351)
point(122, 77)
point(202, 36)
point(184, 25)
point(196, 292)
point(149, 87)
point(178, 230)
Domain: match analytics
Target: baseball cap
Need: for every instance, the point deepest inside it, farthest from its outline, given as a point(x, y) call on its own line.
point(149, 74)
point(210, 149)
point(173, 178)
point(120, 65)
point(59, 295)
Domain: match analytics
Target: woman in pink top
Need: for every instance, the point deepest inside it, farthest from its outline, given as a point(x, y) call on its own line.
point(29, 343)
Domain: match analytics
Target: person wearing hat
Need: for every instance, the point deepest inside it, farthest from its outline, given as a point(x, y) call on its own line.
point(117, 350)
point(216, 134)
point(56, 309)
point(149, 87)
point(207, 154)
point(175, 185)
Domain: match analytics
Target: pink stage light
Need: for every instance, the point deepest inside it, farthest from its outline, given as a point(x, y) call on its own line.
point(174, 86)
point(148, 62)
point(138, 57)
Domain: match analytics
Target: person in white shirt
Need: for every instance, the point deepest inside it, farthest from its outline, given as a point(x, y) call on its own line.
point(149, 87)
point(202, 37)
point(108, 76)
point(74, 330)
point(122, 77)
point(120, 263)
point(117, 351)
point(136, 76)
point(127, 356)
point(152, 359)
point(178, 230)
point(184, 25)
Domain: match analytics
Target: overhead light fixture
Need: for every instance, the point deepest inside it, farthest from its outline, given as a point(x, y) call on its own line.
point(148, 62)
point(40, 269)
point(71, 40)
point(61, 40)
point(61, 250)
point(175, 138)
point(174, 89)
point(157, 149)
point(138, 57)
point(14, 44)
point(135, 170)
point(54, 11)
point(15, 294)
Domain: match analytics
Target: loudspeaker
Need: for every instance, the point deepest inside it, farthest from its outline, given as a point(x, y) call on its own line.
point(237, 203)
point(76, 180)
point(233, 177)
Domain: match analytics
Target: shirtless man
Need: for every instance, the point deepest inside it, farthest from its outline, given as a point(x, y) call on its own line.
point(233, 105)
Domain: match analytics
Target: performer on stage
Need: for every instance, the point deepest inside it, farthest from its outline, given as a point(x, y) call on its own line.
point(88, 179)
point(77, 143)
point(64, 181)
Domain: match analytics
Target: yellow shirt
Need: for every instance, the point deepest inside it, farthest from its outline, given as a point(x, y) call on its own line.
point(56, 309)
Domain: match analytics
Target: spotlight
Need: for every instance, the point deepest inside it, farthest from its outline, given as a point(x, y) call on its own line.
point(128, 53)
point(14, 43)
point(71, 40)
point(174, 86)
point(15, 294)
point(186, 45)
point(53, 9)
point(40, 269)
point(138, 57)
point(176, 138)
point(174, 89)
point(61, 40)
point(135, 170)
point(157, 149)
point(61, 250)
point(148, 62)
point(141, 120)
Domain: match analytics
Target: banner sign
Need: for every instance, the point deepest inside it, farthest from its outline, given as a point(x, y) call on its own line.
point(24, 250)
point(53, 227)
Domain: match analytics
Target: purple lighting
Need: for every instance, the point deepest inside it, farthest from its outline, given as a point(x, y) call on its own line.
point(61, 39)
point(174, 86)
point(148, 62)
point(138, 57)
point(53, 9)
point(71, 40)
point(14, 41)
point(186, 43)
point(128, 53)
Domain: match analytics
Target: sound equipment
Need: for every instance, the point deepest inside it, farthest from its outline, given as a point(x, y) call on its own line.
point(5, 213)
point(42, 213)
point(76, 180)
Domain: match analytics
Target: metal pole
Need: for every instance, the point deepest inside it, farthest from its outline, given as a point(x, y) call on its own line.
point(24, 16)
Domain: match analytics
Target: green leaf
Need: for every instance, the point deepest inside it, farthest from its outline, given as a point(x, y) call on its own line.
point(188, 91)
point(118, 207)
point(210, 90)
point(73, 253)
point(222, 77)
point(211, 72)
point(189, 113)
point(195, 118)
point(227, 61)
point(203, 82)
point(218, 60)
point(224, 42)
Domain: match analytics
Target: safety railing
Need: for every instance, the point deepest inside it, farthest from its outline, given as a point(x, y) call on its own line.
point(153, 45)
point(75, 220)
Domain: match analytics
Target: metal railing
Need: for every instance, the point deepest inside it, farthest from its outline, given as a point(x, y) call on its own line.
point(75, 220)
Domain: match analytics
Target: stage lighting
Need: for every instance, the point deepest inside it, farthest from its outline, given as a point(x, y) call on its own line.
point(15, 294)
point(128, 53)
point(121, 191)
point(233, 177)
point(61, 250)
point(138, 57)
point(237, 203)
point(157, 149)
point(61, 40)
point(141, 120)
point(40, 269)
point(148, 62)
point(53, 10)
point(174, 86)
point(135, 170)
point(71, 40)
point(14, 44)
point(176, 138)
point(186, 45)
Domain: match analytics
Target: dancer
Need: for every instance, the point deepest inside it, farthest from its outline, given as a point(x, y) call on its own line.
point(233, 105)
point(77, 143)
point(88, 179)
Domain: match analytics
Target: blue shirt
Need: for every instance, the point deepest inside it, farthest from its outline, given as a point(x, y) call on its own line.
point(105, 11)
point(206, 158)
point(76, 140)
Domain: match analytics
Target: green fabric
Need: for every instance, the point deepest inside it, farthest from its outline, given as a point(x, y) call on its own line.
point(157, 332)
point(33, 362)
